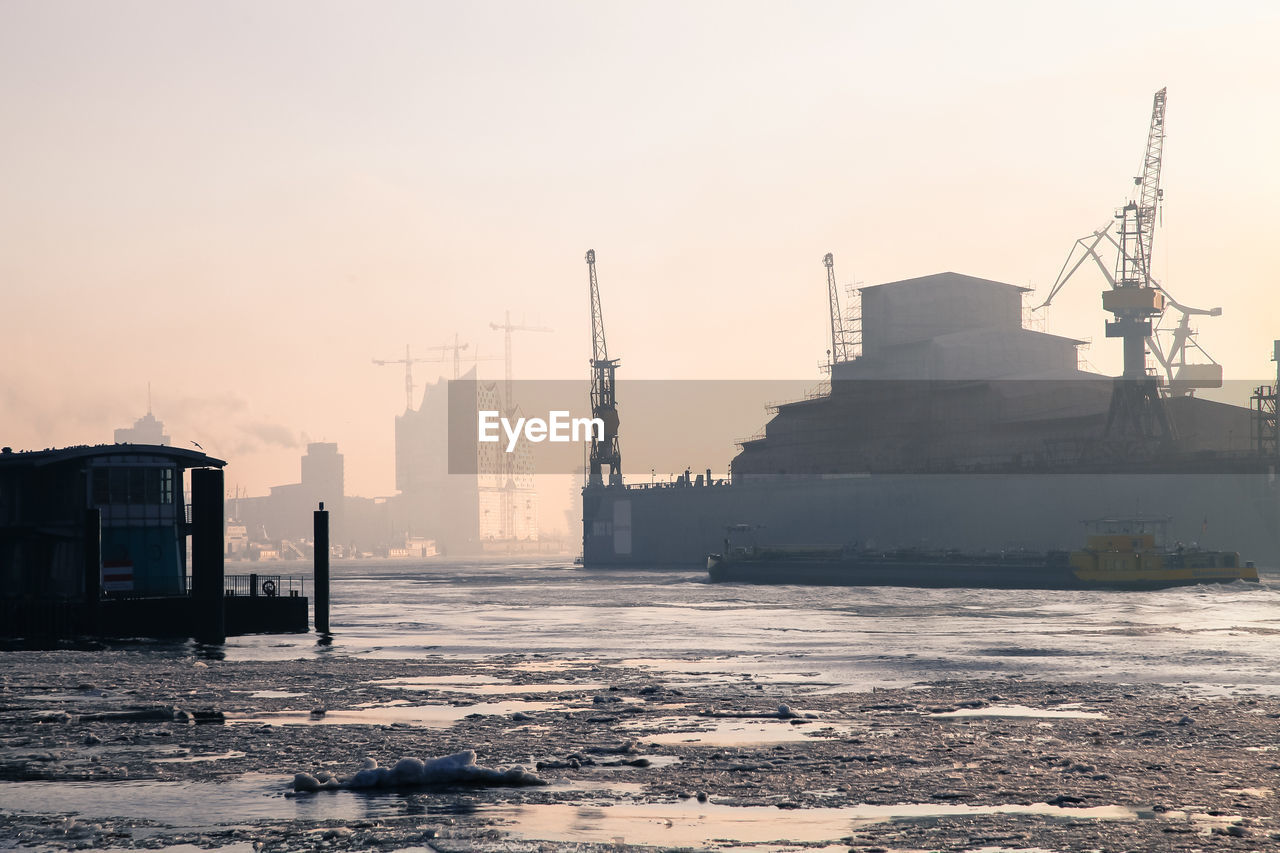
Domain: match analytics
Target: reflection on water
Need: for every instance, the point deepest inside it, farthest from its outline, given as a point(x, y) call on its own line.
point(480, 685)
point(681, 823)
point(693, 824)
point(431, 716)
point(703, 731)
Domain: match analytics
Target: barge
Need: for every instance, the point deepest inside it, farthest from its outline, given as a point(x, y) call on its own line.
point(1121, 554)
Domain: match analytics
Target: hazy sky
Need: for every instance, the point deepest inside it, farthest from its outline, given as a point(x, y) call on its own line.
point(245, 202)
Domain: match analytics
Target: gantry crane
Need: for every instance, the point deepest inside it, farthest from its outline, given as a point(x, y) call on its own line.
point(841, 344)
point(1181, 377)
point(604, 404)
point(1136, 299)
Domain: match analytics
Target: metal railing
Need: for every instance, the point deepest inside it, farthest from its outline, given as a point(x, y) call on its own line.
point(256, 585)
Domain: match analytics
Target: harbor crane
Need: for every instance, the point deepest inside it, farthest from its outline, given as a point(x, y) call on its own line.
point(604, 404)
point(841, 343)
point(1180, 376)
point(1138, 303)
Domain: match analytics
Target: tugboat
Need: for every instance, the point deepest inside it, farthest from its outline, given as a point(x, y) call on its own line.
point(1129, 553)
point(1120, 553)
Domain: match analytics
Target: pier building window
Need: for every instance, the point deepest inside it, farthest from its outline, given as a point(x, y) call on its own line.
point(138, 485)
point(120, 486)
point(101, 487)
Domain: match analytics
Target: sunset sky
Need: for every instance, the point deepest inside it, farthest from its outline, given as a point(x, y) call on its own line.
point(243, 203)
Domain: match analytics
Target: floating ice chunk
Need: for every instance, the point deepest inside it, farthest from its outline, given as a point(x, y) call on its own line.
point(615, 749)
point(457, 769)
point(307, 782)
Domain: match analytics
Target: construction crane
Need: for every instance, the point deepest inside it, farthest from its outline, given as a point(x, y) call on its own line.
point(508, 497)
point(604, 404)
point(457, 349)
point(441, 354)
point(408, 361)
point(507, 327)
point(841, 345)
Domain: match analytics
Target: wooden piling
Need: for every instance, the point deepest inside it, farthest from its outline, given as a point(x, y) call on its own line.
point(92, 569)
point(206, 555)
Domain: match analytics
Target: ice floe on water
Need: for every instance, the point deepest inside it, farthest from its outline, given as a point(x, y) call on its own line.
point(457, 769)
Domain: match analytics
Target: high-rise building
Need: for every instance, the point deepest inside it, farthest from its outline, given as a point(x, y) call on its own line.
point(145, 430)
point(323, 480)
point(286, 513)
point(489, 498)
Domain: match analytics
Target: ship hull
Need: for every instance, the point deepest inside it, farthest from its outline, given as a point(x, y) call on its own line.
point(944, 574)
point(678, 527)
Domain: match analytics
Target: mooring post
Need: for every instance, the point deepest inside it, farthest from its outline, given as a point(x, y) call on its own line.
point(206, 555)
point(322, 569)
point(92, 568)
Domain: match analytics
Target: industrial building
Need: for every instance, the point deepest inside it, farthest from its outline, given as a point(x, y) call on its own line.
point(947, 381)
point(956, 427)
point(945, 423)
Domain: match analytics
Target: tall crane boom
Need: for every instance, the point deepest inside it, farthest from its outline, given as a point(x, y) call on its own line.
point(1138, 301)
point(1138, 217)
point(841, 346)
point(604, 403)
point(508, 327)
point(1149, 193)
point(408, 362)
point(599, 347)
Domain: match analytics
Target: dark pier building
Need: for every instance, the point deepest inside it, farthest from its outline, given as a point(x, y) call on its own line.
point(93, 540)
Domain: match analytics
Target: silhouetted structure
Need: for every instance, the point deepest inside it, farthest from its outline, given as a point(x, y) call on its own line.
point(145, 430)
point(493, 505)
point(93, 540)
point(955, 427)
